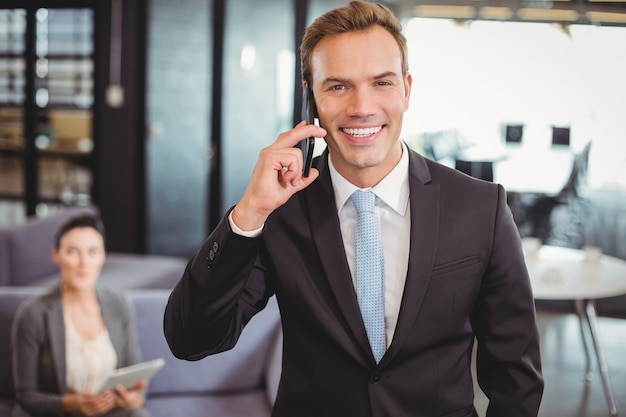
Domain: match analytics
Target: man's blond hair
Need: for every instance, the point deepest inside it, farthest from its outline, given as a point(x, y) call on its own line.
point(355, 16)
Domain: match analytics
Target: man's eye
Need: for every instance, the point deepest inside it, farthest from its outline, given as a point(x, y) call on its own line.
point(383, 83)
point(337, 87)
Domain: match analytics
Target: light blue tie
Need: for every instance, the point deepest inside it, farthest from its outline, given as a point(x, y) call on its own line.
point(370, 271)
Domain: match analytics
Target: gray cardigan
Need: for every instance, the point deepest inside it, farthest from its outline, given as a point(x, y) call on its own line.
point(38, 344)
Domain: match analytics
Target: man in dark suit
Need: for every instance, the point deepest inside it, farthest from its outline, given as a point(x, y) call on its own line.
point(453, 269)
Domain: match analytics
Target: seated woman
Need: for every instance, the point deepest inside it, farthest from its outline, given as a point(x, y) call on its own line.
point(69, 340)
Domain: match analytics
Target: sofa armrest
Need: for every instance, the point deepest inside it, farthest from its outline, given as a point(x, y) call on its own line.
point(274, 367)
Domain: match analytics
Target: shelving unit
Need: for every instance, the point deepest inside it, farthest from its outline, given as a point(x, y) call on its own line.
point(46, 106)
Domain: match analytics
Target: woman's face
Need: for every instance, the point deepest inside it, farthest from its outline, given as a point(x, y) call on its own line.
point(80, 257)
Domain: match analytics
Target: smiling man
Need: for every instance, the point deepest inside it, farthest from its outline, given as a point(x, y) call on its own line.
point(386, 266)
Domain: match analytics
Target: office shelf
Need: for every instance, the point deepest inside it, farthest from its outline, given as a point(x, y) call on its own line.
point(46, 102)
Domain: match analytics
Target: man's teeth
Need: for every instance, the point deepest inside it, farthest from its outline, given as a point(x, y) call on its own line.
point(363, 132)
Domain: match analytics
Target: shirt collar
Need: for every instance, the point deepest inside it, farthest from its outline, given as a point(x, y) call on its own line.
point(393, 190)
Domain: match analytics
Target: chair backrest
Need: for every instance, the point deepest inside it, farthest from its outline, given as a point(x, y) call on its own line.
point(476, 169)
point(513, 134)
point(25, 249)
point(560, 136)
point(444, 144)
point(578, 175)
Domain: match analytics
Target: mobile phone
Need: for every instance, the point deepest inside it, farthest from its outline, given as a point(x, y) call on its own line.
point(309, 112)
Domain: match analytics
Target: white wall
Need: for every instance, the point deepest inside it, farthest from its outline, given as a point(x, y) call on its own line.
point(479, 75)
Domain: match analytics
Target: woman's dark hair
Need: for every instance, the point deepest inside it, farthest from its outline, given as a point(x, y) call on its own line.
point(81, 220)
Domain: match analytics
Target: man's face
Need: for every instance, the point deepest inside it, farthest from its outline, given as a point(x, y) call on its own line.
point(361, 97)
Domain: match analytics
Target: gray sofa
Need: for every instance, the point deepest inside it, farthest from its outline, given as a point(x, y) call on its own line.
point(239, 382)
point(25, 258)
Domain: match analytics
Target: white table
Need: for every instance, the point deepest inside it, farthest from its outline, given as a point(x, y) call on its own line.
point(537, 171)
point(569, 274)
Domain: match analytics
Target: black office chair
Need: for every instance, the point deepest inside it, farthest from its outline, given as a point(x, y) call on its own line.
point(569, 231)
point(560, 136)
point(513, 133)
point(477, 169)
point(577, 178)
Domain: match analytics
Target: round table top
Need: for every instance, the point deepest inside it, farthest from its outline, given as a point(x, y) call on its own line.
point(559, 273)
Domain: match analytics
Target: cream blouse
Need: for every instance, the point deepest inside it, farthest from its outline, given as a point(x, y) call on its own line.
point(88, 361)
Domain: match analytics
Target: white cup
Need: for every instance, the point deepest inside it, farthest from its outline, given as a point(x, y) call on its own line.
point(593, 254)
point(531, 247)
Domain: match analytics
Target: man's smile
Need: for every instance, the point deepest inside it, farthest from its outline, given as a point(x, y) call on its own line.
point(362, 132)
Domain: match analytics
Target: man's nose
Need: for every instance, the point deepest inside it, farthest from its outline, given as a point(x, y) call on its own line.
point(362, 103)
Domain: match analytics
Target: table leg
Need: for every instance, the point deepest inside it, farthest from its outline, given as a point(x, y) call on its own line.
point(592, 320)
point(582, 320)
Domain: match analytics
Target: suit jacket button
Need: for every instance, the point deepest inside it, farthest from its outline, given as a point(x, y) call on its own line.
point(375, 379)
point(216, 246)
point(211, 255)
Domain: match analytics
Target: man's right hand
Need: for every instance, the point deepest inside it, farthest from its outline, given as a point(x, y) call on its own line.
point(276, 176)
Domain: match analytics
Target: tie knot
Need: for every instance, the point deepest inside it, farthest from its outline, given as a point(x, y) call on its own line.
point(363, 201)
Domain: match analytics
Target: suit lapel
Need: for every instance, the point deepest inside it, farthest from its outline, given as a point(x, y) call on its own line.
point(424, 202)
point(111, 321)
point(329, 244)
point(424, 198)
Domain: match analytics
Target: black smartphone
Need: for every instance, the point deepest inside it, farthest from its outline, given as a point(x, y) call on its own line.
point(309, 113)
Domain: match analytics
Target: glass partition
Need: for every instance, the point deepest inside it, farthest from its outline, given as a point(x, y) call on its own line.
point(259, 64)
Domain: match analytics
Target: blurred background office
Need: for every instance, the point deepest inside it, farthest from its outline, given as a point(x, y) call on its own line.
point(154, 111)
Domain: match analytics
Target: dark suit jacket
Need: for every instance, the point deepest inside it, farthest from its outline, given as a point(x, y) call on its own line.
point(38, 344)
point(466, 279)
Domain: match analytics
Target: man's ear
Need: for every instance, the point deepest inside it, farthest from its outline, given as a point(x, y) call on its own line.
point(408, 83)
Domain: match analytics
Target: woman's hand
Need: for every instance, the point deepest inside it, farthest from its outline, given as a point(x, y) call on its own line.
point(132, 397)
point(89, 404)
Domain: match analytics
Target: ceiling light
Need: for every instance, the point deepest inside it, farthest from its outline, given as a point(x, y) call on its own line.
point(558, 15)
point(495, 13)
point(606, 17)
point(451, 12)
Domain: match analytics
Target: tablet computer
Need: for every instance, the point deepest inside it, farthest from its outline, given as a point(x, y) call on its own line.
point(130, 376)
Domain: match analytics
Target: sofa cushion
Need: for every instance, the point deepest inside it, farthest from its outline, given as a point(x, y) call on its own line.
point(240, 404)
point(242, 368)
point(25, 258)
point(128, 271)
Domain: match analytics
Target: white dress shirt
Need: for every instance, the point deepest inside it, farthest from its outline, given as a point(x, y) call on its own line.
point(394, 222)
